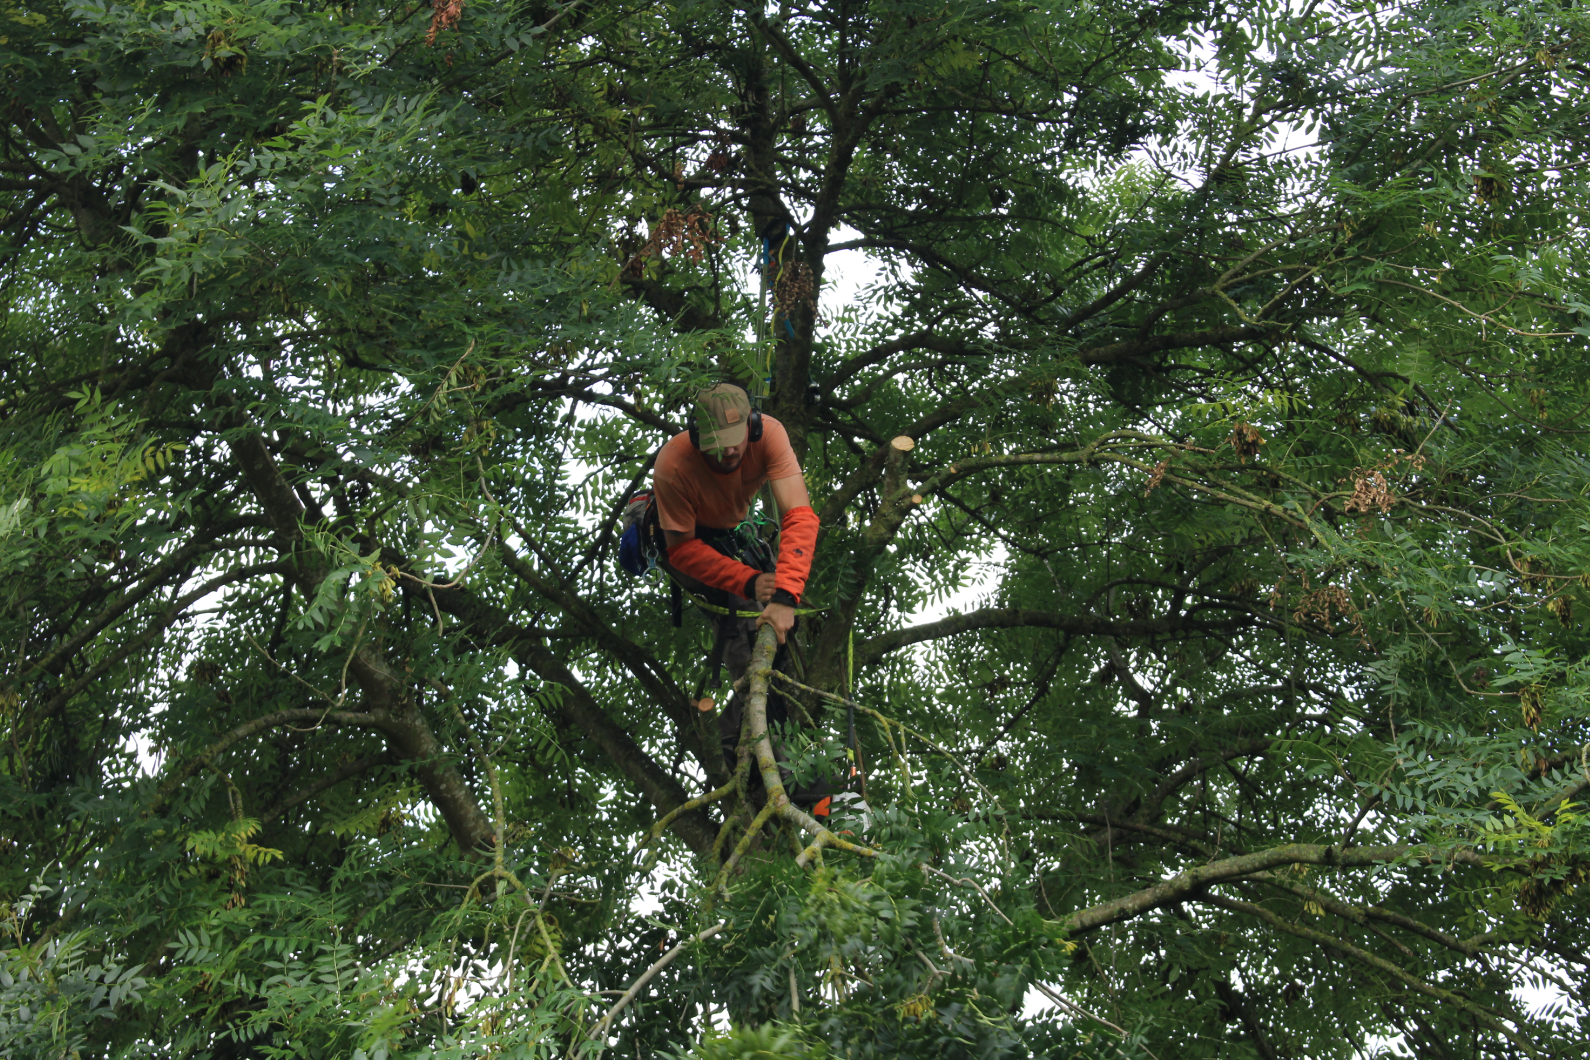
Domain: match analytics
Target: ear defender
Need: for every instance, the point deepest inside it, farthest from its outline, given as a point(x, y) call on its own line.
point(753, 424)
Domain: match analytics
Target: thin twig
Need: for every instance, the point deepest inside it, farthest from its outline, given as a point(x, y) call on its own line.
point(926, 868)
point(745, 842)
point(342, 688)
point(1458, 676)
point(599, 1031)
point(683, 808)
point(1483, 317)
point(1076, 1009)
point(944, 947)
point(513, 945)
point(458, 579)
point(441, 388)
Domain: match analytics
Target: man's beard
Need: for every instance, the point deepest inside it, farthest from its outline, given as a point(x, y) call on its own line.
point(721, 466)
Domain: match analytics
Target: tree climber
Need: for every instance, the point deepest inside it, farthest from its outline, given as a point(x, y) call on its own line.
point(703, 484)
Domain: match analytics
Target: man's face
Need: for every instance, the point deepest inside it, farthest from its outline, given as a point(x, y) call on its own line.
point(725, 458)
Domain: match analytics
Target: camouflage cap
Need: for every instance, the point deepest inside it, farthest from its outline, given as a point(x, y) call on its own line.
point(723, 413)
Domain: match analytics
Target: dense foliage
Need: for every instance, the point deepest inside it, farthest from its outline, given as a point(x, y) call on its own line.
point(1243, 350)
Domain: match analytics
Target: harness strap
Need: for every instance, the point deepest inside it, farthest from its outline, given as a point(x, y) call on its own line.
point(720, 642)
point(718, 645)
point(718, 609)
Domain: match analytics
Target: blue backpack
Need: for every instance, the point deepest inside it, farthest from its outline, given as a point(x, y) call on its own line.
point(639, 544)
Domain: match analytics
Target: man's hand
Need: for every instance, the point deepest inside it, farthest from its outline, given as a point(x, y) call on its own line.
point(764, 588)
point(780, 616)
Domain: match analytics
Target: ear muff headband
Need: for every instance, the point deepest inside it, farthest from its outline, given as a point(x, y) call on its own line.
point(753, 430)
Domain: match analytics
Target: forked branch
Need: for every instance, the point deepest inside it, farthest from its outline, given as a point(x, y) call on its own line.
point(762, 747)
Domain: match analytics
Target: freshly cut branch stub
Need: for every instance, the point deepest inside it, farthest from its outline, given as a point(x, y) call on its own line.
point(903, 443)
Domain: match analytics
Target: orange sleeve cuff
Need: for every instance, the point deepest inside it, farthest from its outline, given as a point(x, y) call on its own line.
point(797, 543)
point(706, 564)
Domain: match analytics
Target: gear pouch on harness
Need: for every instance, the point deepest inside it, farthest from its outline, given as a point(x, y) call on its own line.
point(743, 543)
point(639, 542)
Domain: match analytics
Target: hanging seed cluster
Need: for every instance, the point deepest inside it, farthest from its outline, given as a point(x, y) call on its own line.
point(1246, 439)
point(444, 15)
point(689, 232)
point(794, 286)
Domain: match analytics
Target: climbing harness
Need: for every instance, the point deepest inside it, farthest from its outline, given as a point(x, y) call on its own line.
point(641, 547)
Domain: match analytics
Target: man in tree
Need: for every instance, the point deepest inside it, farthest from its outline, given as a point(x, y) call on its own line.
point(704, 482)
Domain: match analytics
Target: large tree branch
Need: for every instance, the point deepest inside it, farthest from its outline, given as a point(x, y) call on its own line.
point(661, 790)
point(175, 564)
point(1108, 825)
point(385, 690)
point(850, 125)
point(931, 256)
point(671, 304)
point(634, 412)
point(1107, 449)
point(1133, 349)
point(1102, 448)
point(652, 677)
point(1363, 956)
point(1362, 915)
point(579, 709)
point(1123, 671)
point(1237, 1003)
point(1118, 292)
point(1194, 768)
point(917, 340)
point(169, 617)
point(1195, 880)
point(1173, 238)
point(798, 62)
point(898, 501)
point(869, 651)
point(1041, 682)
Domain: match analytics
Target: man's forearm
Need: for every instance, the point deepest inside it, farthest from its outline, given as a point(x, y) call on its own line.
point(702, 562)
point(796, 545)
